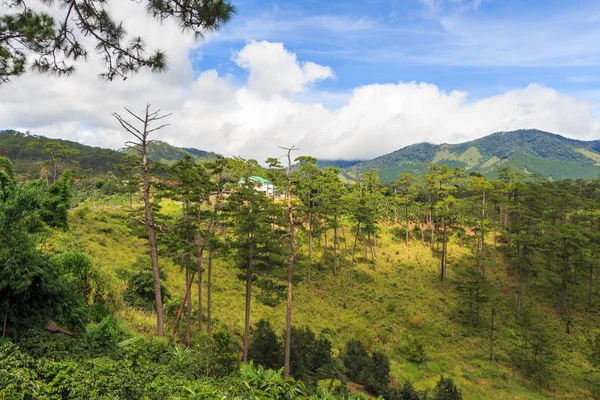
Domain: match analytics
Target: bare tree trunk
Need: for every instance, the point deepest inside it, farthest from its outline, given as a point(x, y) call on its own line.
point(288, 315)
point(372, 252)
point(470, 308)
point(353, 252)
point(309, 244)
point(199, 262)
point(563, 295)
point(492, 336)
point(406, 220)
point(188, 315)
point(209, 292)
point(343, 237)
point(483, 236)
point(141, 146)
point(183, 303)
point(335, 244)
point(477, 303)
point(5, 319)
point(248, 299)
point(521, 272)
point(591, 285)
point(495, 252)
point(444, 252)
point(325, 253)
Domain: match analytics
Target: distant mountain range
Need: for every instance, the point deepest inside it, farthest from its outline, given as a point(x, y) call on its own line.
point(28, 154)
point(528, 151)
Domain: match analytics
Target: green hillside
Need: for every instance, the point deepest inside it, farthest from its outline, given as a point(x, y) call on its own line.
point(32, 155)
point(168, 154)
point(531, 152)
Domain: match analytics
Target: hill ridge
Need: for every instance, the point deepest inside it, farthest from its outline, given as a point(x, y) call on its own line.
point(530, 151)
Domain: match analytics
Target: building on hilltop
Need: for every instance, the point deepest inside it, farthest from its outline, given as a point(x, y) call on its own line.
point(260, 185)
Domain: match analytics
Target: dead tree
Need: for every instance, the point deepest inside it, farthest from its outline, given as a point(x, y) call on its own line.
point(140, 145)
point(288, 315)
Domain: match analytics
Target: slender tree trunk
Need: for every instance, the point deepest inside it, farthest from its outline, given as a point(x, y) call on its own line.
point(372, 252)
point(188, 315)
point(199, 262)
point(335, 244)
point(183, 302)
point(483, 236)
point(470, 308)
point(521, 257)
point(563, 294)
point(5, 319)
point(477, 304)
point(343, 238)
point(353, 252)
point(325, 253)
point(141, 146)
point(209, 292)
point(406, 220)
point(495, 251)
point(492, 336)
point(444, 251)
point(248, 298)
point(591, 285)
point(310, 234)
point(152, 244)
point(288, 315)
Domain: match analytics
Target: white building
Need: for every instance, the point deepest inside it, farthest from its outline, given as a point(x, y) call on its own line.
point(261, 185)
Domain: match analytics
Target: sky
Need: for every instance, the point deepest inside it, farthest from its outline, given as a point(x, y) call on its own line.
point(338, 79)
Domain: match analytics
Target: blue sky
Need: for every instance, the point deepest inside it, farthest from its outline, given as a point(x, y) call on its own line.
point(340, 79)
point(483, 47)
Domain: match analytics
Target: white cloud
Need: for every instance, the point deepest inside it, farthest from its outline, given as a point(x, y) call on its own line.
point(274, 70)
point(277, 105)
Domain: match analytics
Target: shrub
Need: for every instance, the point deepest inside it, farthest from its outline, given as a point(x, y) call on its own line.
point(140, 289)
point(309, 356)
point(378, 373)
point(265, 348)
point(225, 356)
point(355, 358)
point(446, 390)
point(414, 352)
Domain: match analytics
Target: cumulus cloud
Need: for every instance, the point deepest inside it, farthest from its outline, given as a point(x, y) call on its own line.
point(274, 70)
point(278, 104)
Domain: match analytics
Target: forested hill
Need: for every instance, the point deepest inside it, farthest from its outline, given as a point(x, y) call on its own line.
point(166, 153)
point(33, 155)
point(527, 151)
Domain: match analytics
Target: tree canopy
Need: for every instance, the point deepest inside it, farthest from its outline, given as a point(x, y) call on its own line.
point(53, 45)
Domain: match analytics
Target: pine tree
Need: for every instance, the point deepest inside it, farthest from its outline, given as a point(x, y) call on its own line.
point(31, 33)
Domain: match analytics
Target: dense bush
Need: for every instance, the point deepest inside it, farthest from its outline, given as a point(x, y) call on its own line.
point(265, 348)
point(372, 371)
point(446, 390)
point(140, 287)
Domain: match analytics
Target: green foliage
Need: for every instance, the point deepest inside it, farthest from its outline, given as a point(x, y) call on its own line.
point(446, 390)
point(309, 356)
point(414, 351)
point(31, 33)
point(140, 287)
point(224, 357)
point(266, 348)
point(356, 359)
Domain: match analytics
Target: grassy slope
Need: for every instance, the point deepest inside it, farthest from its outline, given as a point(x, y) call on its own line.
point(401, 299)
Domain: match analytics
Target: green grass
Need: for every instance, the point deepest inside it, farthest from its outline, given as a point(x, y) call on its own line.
point(398, 300)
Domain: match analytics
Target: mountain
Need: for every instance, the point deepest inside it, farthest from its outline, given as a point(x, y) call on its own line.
point(528, 151)
point(168, 154)
point(337, 163)
point(29, 154)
